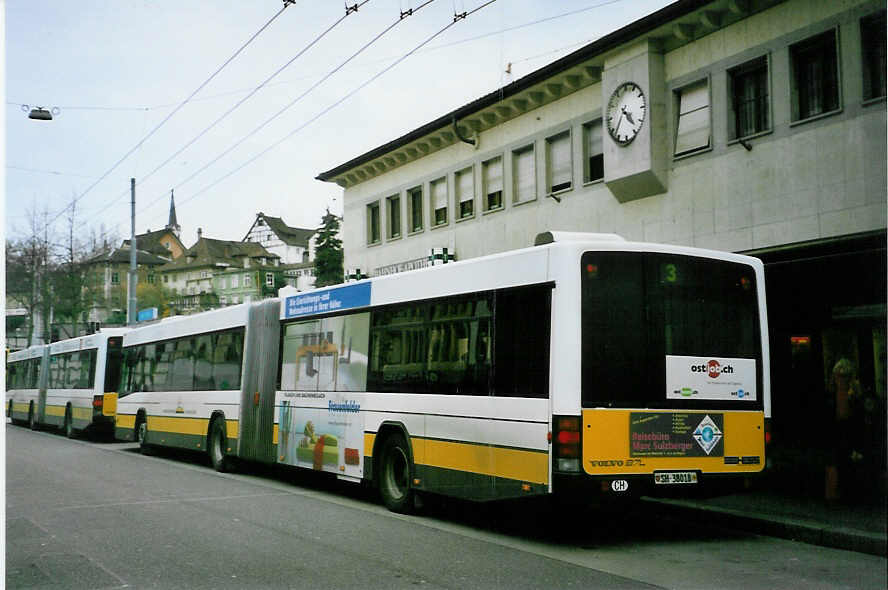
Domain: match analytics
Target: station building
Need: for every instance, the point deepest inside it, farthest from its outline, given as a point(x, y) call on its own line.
point(752, 126)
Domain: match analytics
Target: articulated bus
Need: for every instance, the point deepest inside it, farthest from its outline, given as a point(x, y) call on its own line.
point(24, 382)
point(585, 365)
point(70, 384)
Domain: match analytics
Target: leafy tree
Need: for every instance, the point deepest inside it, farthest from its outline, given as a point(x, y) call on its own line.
point(328, 255)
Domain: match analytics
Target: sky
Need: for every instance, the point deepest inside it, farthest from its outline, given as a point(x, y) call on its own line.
point(156, 90)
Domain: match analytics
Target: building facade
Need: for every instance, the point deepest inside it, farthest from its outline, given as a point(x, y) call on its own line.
point(291, 244)
point(754, 126)
point(214, 273)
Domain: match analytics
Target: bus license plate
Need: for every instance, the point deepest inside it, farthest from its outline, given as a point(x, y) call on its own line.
point(675, 477)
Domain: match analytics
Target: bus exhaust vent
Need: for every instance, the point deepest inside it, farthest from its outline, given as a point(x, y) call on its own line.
point(550, 237)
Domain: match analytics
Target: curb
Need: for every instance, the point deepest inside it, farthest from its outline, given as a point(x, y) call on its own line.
point(793, 529)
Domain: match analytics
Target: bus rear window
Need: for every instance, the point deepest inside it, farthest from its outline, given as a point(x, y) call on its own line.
point(640, 308)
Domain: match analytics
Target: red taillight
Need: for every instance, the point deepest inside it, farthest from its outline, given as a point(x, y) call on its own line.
point(568, 441)
point(767, 431)
point(98, 401)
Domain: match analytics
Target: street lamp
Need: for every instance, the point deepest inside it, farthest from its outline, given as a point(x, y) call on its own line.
point(40, 113)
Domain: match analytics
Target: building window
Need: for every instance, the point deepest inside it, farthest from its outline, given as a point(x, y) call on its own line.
point(223, 300)
point(692, 129)
point(465, 191)
point(593, 154)
point(393, 216)
point(559, 163)
point(247, 281)
point(523, 175)
point(235, 281)
point(872, 40)
point(115, 278)
point(373, 223)
point(166, 278)
point(749, 98)
point(151, 279)
point(414, 199)
point(269, 279)
point(438, 190)
point(492, 181)
point(815, 76)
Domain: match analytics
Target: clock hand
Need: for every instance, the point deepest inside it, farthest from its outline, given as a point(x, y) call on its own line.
point(628, 116)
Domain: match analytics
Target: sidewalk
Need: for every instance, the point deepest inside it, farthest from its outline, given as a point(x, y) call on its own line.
point(860, 528)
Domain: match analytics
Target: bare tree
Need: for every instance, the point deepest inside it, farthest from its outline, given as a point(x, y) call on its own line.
point(27, 275)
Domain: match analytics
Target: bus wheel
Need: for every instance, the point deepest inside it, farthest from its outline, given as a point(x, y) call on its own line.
point(141, 435)
point(217, 448)
point(32, 418)
point(395, 474)
point(69, 424)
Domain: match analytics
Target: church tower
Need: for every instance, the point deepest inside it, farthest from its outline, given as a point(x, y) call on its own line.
point(173, 225)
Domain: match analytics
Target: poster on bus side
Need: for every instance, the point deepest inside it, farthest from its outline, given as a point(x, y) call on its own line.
point(322, 431)
point(710, 378)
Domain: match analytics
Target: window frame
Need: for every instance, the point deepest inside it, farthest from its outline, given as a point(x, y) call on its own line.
point(872, 24)
point(415, 218)
point(485, 180)
point(517, 155)
point(566, 136)
point(588, 132)
point(393, 217)
point(814, 44)
point(374, 233)
point(677, 94)
point(469, 172)
point(433, 197)
point(744, 71)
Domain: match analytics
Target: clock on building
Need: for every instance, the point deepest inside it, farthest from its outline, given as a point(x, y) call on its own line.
point(626, 112)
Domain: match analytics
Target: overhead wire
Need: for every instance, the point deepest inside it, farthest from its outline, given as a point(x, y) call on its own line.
point(457, 18)
point(235, 107)
point(231, 148)
point(287, 3)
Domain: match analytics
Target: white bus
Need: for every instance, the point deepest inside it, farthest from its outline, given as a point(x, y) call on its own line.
point(583, 365)
point(73, 383)
point(24, 382)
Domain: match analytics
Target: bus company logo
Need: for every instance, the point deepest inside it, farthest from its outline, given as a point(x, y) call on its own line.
point(707, 434)
point(713, 369)
point(349, 406)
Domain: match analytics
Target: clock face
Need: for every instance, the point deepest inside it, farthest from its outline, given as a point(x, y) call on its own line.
point(625, 112)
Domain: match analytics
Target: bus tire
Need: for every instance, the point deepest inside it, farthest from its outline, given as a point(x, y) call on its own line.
point(68, 426)
point(217, 446)
point(32, 417)
point(395, 475)
point(141, 434)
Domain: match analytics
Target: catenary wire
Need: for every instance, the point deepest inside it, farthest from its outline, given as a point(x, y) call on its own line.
point(231, 110)
point(294, 101)
point(336, 103)
point(287, 3)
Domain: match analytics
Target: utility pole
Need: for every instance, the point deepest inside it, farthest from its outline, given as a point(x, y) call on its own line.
point(133, 273)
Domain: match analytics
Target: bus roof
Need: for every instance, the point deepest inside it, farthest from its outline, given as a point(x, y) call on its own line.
point(199, 323)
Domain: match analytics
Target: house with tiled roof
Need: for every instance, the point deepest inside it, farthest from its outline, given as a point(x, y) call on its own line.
point(107, 277)
point(292, 244)
point(214, 273)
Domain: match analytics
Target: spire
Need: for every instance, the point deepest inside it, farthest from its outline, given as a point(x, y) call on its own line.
point(173, 225)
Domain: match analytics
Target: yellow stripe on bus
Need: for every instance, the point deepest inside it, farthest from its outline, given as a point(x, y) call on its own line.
point(55, 410)
point(518, 464)
point(126, 421)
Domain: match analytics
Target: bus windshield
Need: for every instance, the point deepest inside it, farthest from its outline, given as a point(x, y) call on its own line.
point(669, 331)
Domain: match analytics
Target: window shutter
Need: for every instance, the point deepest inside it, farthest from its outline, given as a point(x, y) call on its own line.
point(464, 185)
point(693, 118)
point(560, 169)
point(525, 182)
point(493, 175)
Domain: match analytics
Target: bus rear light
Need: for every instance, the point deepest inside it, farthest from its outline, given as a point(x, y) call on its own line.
point(767, 431)
point(98, 403)
point(568, 442)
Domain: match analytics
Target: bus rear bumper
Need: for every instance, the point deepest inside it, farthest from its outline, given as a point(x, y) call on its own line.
point(585, 488)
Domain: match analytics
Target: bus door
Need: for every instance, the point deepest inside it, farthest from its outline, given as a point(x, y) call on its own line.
point(256, 419)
